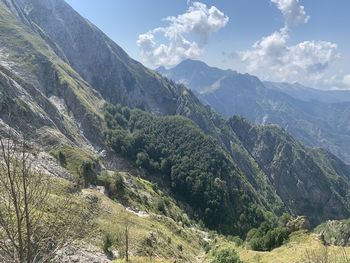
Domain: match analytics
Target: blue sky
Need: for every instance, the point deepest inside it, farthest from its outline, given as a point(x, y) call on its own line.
point(296, 40)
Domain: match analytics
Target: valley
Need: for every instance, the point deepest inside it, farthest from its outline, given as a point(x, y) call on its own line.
point(137, 167)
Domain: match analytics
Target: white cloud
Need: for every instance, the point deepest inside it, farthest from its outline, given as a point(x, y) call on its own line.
point(273, 58)
point(346, 81)
point(337, 82)
point(266, 52)
point(198, 21)
point(294, 14)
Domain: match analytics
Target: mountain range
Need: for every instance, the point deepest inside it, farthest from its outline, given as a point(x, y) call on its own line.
point(318, 118)
point(68, 88)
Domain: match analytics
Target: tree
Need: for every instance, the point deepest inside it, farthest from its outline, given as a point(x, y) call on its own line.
point(142, 160)
point(266, 237)
point(226, 255)
point(88, 174)
point(119, 184)
point(161, 206)
point(33, 227)
point(108, 242)
point(62, 159)
point(150, 244)
point(123, 238)
point(127, 225)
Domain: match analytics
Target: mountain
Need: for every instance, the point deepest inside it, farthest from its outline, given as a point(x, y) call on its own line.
point(82, 100)
point(303, 93)
point(195, 74)
point(306, 113)
point(50, 95)
point(298, 173)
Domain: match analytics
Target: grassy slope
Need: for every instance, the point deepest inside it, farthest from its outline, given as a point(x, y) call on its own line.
point(173, 240)
point(175, 236)
point(171, 235)
point(301, 247)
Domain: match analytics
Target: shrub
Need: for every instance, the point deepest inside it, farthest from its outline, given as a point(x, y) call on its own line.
point(62, 159)
point(236, 239)
point(206, 246)
point(225, 255)
point(161, 205)
point(108, 242)
point(266, 238)
point(142, 160)
point(88, 174)
point(119, 184)
point(113, 183)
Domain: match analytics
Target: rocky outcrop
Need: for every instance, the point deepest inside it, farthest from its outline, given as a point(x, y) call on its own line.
point(87, 254)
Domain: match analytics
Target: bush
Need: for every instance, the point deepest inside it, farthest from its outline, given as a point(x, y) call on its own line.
point(206, 246)
point(108, 242)
point(266, 238)
point(335, 233)
point(225, 255)
point(161, 205)
point(119, 183)
point(88, 174)
point(236, 239)
point(62, 159)
point(113, 183)
point(142, 160)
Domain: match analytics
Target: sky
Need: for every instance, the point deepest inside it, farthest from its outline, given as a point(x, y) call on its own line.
point(305, 41)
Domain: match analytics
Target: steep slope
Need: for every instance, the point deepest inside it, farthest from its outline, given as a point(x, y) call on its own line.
point(110, 70)
point(307, 114)
point(50, 68)
point(319, 189)
point(192, 164)
point(63, 108)
point(264, 165)
point(46, 87)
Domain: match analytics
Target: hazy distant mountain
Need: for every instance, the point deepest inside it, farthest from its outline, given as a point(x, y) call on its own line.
point(318, 118)
point(301, 92)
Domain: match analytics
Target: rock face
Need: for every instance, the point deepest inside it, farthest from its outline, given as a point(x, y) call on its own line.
point(31, 73)
point(306, 113)
point(97, 59)
point(80, 255)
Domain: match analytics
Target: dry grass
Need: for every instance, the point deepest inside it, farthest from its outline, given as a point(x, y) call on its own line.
point(302, 248)
point(172, 240)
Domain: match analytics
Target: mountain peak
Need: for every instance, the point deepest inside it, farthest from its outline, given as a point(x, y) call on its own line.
point(196, 74)
point(192, 62)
